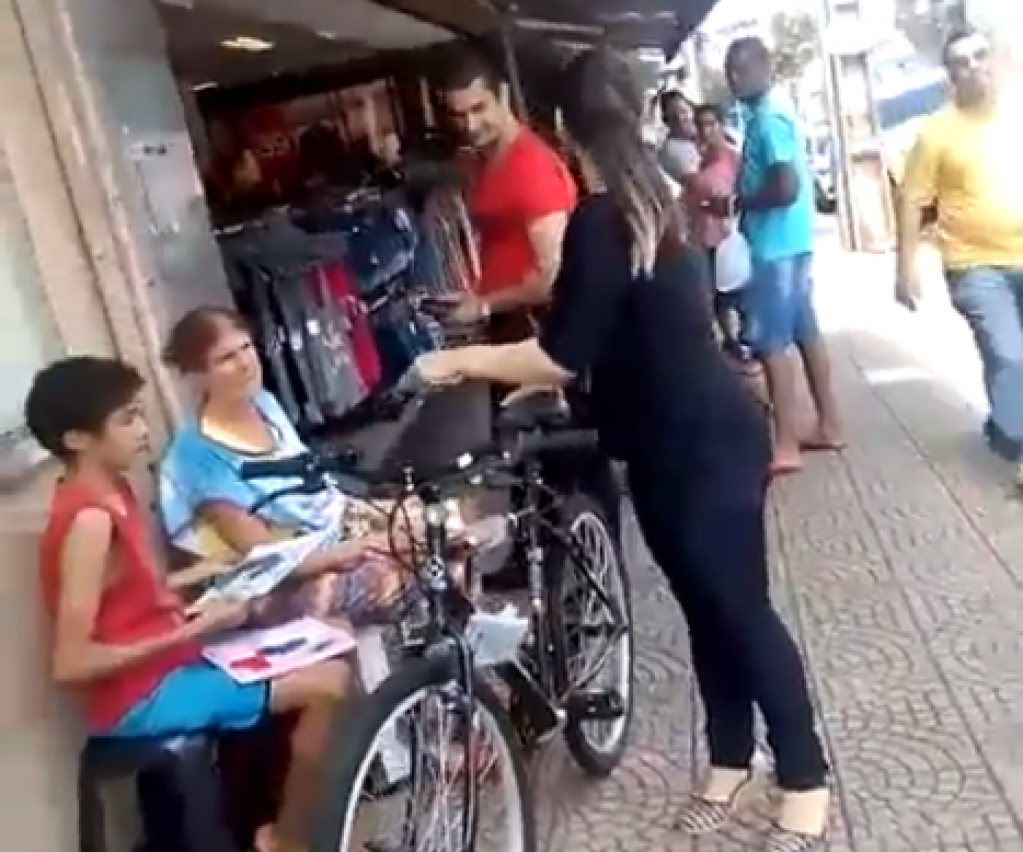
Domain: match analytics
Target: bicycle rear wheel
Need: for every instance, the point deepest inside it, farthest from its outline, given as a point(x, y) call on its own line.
point(593, 642)
point(445, 799)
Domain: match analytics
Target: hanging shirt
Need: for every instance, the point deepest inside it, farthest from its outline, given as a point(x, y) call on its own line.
point(342, 287)
point(511, 192)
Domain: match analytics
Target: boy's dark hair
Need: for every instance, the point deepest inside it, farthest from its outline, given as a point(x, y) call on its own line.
point(77, 395)
point(957, 35)
point(463, 65)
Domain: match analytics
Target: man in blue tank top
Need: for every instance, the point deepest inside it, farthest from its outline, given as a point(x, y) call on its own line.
point(776, 204)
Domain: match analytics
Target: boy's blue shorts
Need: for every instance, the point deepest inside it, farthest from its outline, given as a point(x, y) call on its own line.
point(198, 697)
point(776, 306)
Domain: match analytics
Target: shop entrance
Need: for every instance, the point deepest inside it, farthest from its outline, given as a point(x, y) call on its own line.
point(297, 131)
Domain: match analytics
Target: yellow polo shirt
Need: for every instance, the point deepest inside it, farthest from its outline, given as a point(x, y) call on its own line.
point(971, 165)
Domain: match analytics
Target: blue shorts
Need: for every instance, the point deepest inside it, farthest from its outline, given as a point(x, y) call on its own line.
point(196, 698)
point(777, 305)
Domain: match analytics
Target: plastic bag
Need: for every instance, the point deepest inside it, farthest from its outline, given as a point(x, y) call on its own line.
point(733, 265)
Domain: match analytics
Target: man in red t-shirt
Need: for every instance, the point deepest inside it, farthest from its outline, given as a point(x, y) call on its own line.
point(520, 196)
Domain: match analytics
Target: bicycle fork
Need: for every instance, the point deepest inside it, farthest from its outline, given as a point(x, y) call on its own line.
point(536, 692)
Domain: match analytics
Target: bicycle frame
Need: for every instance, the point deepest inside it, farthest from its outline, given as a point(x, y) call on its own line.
point(545, 693)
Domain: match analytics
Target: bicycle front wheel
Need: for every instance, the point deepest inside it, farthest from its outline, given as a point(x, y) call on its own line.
point(419, 765)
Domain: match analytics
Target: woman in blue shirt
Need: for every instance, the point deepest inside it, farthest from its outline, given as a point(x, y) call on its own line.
point(207, 508)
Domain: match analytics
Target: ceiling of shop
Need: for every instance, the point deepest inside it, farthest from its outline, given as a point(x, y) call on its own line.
point(304, 34)
point(633, 23)
point(308, 34)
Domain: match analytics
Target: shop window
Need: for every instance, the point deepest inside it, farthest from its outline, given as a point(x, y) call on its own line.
point(28, 336)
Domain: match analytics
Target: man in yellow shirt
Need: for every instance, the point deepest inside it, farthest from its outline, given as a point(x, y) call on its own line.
point(967, 164)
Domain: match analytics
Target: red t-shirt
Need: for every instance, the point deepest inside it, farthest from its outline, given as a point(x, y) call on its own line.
point(526, 183)
point(136, 604)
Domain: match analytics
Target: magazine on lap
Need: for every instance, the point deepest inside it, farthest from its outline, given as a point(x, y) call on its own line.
point(251, 656)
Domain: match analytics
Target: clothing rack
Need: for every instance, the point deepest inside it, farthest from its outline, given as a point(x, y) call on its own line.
point(333, 292)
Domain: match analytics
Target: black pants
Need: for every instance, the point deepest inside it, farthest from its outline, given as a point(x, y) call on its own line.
point(710, 544)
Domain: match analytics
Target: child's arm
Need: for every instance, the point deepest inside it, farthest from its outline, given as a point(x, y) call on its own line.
point(77, 657)
point(201, 572)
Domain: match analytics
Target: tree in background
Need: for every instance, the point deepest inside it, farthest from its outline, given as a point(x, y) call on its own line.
point(795, 42)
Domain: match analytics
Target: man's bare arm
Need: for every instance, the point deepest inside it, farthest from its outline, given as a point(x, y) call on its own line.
point(917, 191)
point(77, 657)
point(545, 236)
point(909, 226)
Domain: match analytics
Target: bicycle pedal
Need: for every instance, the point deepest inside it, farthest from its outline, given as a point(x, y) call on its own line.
point(604, 705)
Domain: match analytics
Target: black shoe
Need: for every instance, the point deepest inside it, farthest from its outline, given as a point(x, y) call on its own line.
point(1001, 444)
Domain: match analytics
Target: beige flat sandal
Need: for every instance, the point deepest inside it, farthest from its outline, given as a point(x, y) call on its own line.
point(700, 816)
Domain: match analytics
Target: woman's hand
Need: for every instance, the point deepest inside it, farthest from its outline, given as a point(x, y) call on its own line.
point(443, 367)
point(349, 555)
point(526, 391)
point(216, 615)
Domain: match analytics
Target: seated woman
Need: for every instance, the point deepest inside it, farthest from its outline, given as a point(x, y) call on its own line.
point(210, 512)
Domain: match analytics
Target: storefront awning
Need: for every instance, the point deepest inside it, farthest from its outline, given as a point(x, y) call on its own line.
point(625, 23)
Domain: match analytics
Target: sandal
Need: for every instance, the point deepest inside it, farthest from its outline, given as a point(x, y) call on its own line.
point(784, 840)
point(701, 816)
point(799, 834)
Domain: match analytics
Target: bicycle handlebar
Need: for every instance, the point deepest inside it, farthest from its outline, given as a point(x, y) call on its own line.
point(313, 468)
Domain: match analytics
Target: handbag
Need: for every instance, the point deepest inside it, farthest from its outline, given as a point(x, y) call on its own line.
point(733, 263)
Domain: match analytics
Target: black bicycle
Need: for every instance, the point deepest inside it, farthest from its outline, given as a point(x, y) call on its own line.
point(438, 719)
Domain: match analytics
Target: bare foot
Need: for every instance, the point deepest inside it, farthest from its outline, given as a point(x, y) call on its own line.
point(824, 439)
point(785, 462)
point(267, 840)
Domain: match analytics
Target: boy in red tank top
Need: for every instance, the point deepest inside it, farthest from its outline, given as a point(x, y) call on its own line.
point(121, 637)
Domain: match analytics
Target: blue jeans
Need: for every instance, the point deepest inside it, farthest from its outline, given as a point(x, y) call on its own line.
point(777, 305)
point(990, 299)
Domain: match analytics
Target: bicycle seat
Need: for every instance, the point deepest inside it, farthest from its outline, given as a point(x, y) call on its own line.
point(542, 410)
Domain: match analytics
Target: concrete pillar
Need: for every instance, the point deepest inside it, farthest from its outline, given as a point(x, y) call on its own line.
point(104, 65)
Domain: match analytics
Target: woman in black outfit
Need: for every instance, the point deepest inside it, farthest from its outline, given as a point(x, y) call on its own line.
point(630, 312)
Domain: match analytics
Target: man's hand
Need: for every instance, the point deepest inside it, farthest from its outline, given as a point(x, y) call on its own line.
point(442, 367)
point(469, 310)
point(722, 206)
point(908, 291)
point(217, 615)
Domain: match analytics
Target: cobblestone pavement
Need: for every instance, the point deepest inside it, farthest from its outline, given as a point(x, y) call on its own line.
point(899, 566)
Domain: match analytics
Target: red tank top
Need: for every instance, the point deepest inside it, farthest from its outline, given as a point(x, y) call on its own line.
point(136, 604)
